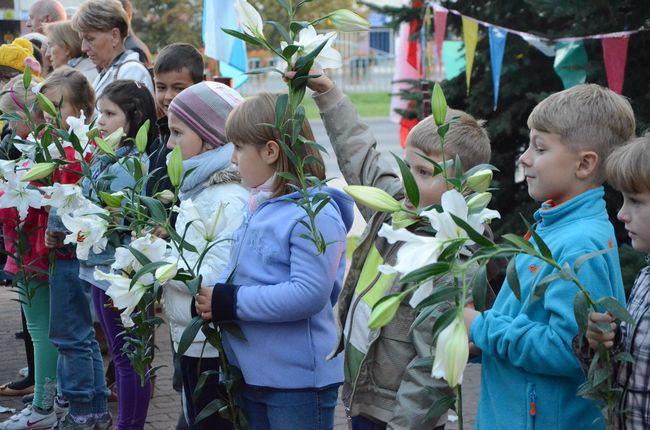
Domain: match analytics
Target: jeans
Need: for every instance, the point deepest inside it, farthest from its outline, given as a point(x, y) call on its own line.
point(361, 423)
point(275, 409)
point(211, 391)
point(80, 368)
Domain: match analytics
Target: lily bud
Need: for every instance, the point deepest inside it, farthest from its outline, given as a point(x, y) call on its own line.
point(374, 198)
point(452, 352)
point(438, 105)
point(112, 200)
point(250, 19)
point(384, 311)
point(104, 147)
point(175, 166)
point(166, 272)
point(165, 196)
point(479, 202)
point(38, 171)
point(46, 104)
point(346, 20)
point(480, 181)
point(142, 137)
point(115, 138)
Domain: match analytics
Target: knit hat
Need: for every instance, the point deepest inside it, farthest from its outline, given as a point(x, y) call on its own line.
point(204, 107)
point(14, 54)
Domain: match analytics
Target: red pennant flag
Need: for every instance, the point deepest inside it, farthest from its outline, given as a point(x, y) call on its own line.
point(440, 28)
point(615, 57)
point(414, 51)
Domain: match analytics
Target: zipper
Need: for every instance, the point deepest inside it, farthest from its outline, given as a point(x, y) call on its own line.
point(533, 401)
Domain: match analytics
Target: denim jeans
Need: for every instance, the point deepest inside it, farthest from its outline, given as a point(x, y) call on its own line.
point(80, 368)
point(274, 409)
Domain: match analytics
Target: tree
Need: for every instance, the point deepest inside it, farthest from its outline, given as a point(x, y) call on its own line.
point(161, 22)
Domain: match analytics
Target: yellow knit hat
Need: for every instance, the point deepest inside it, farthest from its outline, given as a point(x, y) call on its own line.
point(14, 55)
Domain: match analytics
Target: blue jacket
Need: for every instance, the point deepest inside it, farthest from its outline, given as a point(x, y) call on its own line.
point(282, 294)
point(526, 348)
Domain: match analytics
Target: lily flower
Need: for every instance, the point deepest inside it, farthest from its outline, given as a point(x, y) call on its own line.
point(150, 246)
point(18, 194)
point(87, 229)
point(309, 40)
point(207, 229)
point(417, 251)
point(66, 198)
point(79, 127)
point(452, 352)
point(250, 19)
point(122, 294)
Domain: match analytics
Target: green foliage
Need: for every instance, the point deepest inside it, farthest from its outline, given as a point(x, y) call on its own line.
point(161, 22)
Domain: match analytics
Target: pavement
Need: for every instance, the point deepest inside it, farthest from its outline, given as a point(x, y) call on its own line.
point(165, 407)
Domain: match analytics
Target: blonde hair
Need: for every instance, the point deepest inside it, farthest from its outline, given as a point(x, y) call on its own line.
point(586, 117)
point(466, 138)
point(74, 86)
point(101, 15)
point(628, 166)
point(62, 34)
point(246, 126)
point(14, 93)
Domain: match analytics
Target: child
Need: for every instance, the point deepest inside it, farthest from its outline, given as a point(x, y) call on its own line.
point(197, 118)
point(281, 292)
point(382, 389)
point(177, 66)
point(628, 170)
point(80, 366)
point(529, 374)
point(37, 310)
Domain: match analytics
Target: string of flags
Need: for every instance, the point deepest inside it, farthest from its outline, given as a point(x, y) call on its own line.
point(570, 54)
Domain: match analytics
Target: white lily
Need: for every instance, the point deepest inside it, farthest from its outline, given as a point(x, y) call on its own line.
point(207, 229)
point(417, 251)
point(122, 294)
point(18, 194)
point(250, 19)
point(453, 202)
point(87, 229)
point(150, 246)
point(309, 39)
point(452, 352)
point(64, 197)
point(7, 167)
point(79, 127)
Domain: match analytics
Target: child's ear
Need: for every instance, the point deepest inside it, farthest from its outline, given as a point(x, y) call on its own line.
point(271, 152)
point(587, 164)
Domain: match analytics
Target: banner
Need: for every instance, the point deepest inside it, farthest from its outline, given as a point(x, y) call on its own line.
point(615, 58)
point(440, 28)
point(497, 49)
point(470, 37)
point(571, 63)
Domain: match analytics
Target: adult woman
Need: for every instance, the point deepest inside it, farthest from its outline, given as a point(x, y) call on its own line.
point(103, 26)
point(65, 49)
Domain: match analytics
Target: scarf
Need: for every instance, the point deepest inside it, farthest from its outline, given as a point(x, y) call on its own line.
point(204, 165)
point(260, 194)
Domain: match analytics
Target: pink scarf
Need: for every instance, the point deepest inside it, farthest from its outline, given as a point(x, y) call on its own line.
point(260, 194)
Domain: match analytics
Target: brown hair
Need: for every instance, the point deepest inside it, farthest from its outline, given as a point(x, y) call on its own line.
point(179, 56)
point(586, 117)
point(466, 138)
point(628, 166)
point(62, 34)
point(74, 85)
point(248, 123)
point(26, 97)
point(101, 15)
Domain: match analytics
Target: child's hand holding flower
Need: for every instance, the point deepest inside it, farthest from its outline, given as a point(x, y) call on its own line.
point(595, 334)
point(203, 303)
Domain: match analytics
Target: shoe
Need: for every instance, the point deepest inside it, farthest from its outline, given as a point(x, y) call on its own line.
point(27, 399)
point(69, 423)
point(24, 372)
point(29, 419)
point(61, 407)
point(5, 390)
point(105, 422)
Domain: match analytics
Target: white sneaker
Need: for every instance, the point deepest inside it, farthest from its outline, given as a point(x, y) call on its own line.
point(61, 407)
point(29, 419)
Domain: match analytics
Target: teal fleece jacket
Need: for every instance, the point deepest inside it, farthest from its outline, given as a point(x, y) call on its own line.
point(527, 355)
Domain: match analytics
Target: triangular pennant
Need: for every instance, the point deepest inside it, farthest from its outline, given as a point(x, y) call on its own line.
point(571, 63)
point(470, 37)
point(497, 48)
point(440, 28)
point(615, 57)
point(403, 70)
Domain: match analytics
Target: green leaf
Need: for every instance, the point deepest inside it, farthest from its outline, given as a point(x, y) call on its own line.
point(581, 311)
point(421, 363)
point(480, 288)
point(440, 407)
point(254, 41)
point(426, 272)
point(188, 336)
point(147, 268)
point(543, 284)
point(543, 248)
point(156, 209)
point(114, 201)
point(513, 279)
point(477, 237)
point(142, 137)
point(439, 295)
point(521, 243)
point(283, 32)
point(615, 308)
point(233, 329)
point(203, 377)
point(425, 313)
point(443, 321)
point(410, 186)
point(210, 409)
point(586, 257)
point(442, 130)
point(303, 64)
point(281, 110)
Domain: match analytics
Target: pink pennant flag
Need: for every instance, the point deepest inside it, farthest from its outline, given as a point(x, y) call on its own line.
point(440, 28)
point(615, 57)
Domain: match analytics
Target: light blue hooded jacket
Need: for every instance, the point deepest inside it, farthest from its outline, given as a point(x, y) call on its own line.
point(527, 353)
point(282, 294)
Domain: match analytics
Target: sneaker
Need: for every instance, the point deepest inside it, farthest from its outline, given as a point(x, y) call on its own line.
point(28, 399)
point(105, 422)
point(69, 423)
point(61, 407)
point(30, 419)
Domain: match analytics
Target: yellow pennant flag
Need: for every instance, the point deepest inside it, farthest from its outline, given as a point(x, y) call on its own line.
point(470, 36)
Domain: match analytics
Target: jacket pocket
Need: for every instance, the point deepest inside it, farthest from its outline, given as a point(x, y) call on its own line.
point(531, 403)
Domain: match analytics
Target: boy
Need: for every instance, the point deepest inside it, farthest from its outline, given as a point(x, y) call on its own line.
point(529, 375)
point(178, 66)
point(382, 390)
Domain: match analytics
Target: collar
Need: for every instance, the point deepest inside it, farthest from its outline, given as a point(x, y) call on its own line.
point(589, 203)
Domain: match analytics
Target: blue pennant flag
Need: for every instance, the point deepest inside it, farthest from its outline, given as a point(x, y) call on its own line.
point(497, 48)
point(228, 50)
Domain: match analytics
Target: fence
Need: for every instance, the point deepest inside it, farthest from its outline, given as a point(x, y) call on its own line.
point(368, 64)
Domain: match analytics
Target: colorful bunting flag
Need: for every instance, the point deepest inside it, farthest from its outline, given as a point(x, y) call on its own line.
point(470, 37)
point(615, 58)
point(571, 63)
point(440, 28)
point(404, 69)
point(497, 48)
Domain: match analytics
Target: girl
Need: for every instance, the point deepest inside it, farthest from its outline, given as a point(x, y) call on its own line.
point(281, 290)
point(197, 118)
point(628, 170)
point(80, 368)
